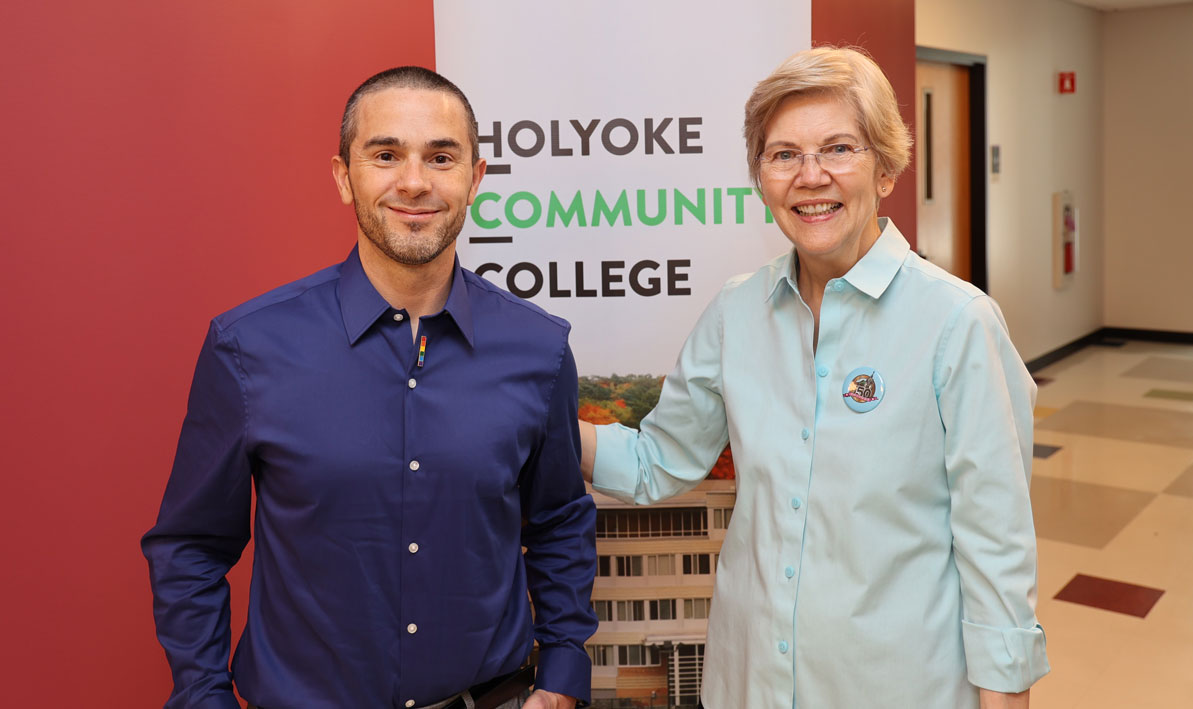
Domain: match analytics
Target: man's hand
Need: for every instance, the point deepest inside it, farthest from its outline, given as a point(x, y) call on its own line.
point(542, 699)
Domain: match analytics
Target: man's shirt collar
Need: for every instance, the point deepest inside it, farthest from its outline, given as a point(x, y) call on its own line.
point(872, 274)
point(361, 305)
point(458, 305)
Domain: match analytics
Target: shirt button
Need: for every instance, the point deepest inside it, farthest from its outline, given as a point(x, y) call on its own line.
point(789, 572)
point(412, 628)
point(796, 503)
point(783, 646)
point(412, 383)
point(804, 434)
point(822, 370)
point(398, 317)
point(409, 702)
point(838, 286)
point(413, 548)
point(414, 465)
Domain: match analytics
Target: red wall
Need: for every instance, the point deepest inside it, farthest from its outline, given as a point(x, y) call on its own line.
point(886, 29)
point(164, 161)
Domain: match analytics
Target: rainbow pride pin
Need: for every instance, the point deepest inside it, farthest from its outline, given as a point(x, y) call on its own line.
point(422, 350)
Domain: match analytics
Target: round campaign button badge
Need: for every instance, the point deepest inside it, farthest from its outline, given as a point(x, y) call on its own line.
point(863, 389)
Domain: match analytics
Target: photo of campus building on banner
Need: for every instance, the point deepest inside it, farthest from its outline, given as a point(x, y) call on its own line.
point(656, 568)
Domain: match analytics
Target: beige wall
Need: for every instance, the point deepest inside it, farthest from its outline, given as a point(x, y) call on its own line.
point(1149, 168)
point(1050, 142)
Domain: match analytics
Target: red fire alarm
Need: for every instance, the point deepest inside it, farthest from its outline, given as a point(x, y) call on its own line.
point(1067, 82)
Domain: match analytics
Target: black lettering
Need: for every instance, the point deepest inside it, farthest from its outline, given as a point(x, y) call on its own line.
point(686, 134)
point(557, 151)
point(495, 139)
point(487, 268)
point(553, 289)
point(511, 283)
point(539, 138)
point(655, 135)
point(643, 279)
point(608, 278)
point(652, 286)
point(629, 127)
point(674, 277)
point(580, 292)
point(585, 132)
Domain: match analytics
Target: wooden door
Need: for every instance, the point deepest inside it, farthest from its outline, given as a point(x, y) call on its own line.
point(942, 166)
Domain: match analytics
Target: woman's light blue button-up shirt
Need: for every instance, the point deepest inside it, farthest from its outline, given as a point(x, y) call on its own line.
point(884, 558)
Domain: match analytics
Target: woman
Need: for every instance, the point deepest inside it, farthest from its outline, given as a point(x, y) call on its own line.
point(882, 552)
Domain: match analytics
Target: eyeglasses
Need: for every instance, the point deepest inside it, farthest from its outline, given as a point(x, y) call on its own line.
point(785, 162)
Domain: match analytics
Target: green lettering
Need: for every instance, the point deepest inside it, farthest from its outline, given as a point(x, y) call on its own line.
point(600, 206)
point(739, 203)
point(536, 209)
point(683, 203)
point(657, 218)
point(574, 210)
point(476, 210)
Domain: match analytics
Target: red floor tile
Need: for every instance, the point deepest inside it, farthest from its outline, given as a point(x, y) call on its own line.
point(1110, 595)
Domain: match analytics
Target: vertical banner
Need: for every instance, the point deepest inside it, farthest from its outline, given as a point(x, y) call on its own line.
point(618, 197)
point(617, 194)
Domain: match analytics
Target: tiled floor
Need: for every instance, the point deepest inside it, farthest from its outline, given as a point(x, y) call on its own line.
point(1112, 493)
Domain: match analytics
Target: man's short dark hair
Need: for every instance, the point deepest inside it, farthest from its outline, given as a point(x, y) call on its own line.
point(403, 77)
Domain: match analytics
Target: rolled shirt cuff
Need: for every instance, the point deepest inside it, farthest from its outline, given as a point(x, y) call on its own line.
point(1004, 659)
point(564, 670)
point(615, 469)
point(219, 700)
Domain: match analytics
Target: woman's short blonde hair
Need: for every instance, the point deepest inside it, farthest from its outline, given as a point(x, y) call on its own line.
point(847, 72)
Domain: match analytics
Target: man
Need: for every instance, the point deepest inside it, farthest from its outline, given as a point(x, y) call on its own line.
point(408, 428)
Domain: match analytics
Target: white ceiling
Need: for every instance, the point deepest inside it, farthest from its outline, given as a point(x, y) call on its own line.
point(1127, 4)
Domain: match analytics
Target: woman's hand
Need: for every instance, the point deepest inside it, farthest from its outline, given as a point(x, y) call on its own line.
point(1002, 700)
point(588, 443)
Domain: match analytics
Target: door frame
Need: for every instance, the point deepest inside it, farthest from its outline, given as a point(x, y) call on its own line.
point(975, 64)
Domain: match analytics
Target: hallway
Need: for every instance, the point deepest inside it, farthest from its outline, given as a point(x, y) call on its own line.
point(1112, 492)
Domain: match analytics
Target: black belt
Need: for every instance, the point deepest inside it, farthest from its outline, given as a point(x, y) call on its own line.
point(491, 694)
point(497, 691)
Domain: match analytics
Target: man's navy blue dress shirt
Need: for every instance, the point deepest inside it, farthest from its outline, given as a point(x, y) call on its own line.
point(393, 498)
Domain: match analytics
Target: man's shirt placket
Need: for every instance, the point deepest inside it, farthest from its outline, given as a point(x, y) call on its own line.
point(410, 474)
